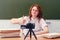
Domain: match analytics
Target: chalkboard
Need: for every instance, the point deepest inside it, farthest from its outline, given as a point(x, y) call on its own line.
point(17, 8)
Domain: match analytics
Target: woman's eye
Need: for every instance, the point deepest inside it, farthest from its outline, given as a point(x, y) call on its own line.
point(34, 10)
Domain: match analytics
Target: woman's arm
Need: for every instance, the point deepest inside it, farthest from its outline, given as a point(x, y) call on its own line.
point(45, 30)
point(17, 20)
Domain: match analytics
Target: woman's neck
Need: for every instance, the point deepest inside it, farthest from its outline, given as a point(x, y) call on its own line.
point(33, 17)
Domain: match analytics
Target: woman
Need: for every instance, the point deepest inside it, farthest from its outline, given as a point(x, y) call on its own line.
point(35, 16)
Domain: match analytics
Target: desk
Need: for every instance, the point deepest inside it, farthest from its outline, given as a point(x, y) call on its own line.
point(39, 38)
point(16, 32)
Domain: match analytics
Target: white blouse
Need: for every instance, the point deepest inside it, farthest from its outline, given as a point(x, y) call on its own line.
point(38, 25)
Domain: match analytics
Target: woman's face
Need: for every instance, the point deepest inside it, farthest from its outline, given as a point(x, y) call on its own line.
point(34, 11)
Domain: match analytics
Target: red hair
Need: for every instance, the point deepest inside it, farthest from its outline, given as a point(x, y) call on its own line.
point(39, 16)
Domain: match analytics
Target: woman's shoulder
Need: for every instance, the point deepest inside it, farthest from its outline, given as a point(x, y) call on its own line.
point(42, 19)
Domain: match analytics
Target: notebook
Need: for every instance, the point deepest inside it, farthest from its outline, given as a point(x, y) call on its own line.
point(51, 35)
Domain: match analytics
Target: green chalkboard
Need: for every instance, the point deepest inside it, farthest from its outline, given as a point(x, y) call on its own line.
point(16, 8)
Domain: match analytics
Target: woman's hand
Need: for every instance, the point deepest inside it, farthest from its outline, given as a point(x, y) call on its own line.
point(22, 20)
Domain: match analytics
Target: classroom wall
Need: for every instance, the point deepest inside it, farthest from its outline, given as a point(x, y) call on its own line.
point(17, 8)
point(53, 25)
